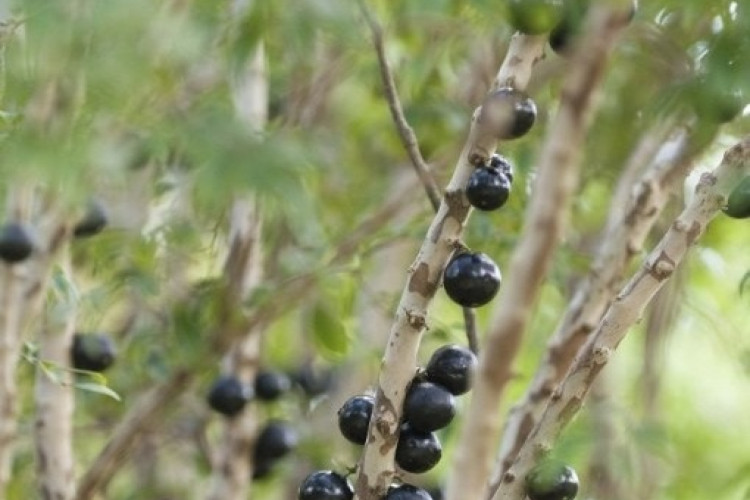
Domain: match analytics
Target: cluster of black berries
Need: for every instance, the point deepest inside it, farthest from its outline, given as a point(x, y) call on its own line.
point(429, 406)
point(229, 395)
point(17, 243)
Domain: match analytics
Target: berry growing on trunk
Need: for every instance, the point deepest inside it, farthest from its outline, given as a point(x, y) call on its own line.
point(428, 406)
point(276, 439)
point(417, 451)
point(325, 485)
point(15, 243)
point(552, 480)
point(738, 203)
point(471, 279)
point(534, 17)
point(508, 113)
point(93, 352)
point(488, 189)
point(270, 385)
point(93, 221)
point(354, 418)
point(407, 492)
point(503, 165)
point(228, 395)
point(452, 366)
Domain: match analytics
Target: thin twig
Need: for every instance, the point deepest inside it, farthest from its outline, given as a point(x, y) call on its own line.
point(710, 195)
point(405, 132)
point(411, 144)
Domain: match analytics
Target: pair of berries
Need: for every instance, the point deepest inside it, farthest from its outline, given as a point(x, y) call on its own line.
point(329, 485)
point(17, 244)
point(429, 406)
point(228, 395)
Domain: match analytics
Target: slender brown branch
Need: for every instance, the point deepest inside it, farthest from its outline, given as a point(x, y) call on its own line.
point(557, 179)
point(399, 364)
point(405, 132)
point(411, 144)
point(711, 194)
point(145, 415)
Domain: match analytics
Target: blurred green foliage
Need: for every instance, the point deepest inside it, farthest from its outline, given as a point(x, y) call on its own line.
point(131, 101)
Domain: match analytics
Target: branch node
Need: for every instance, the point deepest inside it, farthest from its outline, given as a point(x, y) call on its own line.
point(416, 320)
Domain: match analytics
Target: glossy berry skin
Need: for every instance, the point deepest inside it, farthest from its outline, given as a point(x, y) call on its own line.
point(276, 440)
point(325, 485)
point(534, 17)
point(452, 366)
point(738, 203)
point(508, 113)
point(93, 352)
point(270, 385)
point(417, 451)
point(552, 480)
point(354, 418)
point(502, 164)
point(471, 279)
point(15, 243)
point(487, 189)
point(92, 222)
point(228, 395)
point(428, 406)
point(407, 492)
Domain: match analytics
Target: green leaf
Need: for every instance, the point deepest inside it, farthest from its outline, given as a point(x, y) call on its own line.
point(329, 331)
point(98, 388)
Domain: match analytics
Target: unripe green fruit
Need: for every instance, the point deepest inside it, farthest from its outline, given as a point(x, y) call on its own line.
point(552, 480)
point(738, 203)
point(534, 17)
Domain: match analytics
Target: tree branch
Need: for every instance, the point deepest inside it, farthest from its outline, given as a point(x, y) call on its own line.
point(557, 179)
point(145, 415)
point(626, 231)
point(399, 364)
point(711, 194)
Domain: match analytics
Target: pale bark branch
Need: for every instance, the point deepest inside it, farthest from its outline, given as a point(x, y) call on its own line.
point(399, 363)
point(145, 415)
point(556, 181)
point(411, 144)
point(54, 396)
point(711, 194)
point(232, 463)
point(625, 232)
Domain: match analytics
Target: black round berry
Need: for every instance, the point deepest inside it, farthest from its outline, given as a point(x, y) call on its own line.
point(428, 406)
point(503, 165)
point(93, 221)
point(270, 385)
point(407, 492)
point(534, 17)
point(552, 480)
point(471, 279)
point(354, 418)
point(325, 485)
point(228, 395)
point(15, 243)
point(93, 352)
point(452, 366)
point(313, 382)
point(508, 112)
point(738, 203)
point(487, 189)
point(276, 439)
point(417, 451)
point(262, 469)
